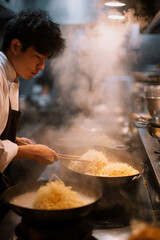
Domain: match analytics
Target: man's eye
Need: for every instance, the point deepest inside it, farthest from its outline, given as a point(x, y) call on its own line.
point(37, 56)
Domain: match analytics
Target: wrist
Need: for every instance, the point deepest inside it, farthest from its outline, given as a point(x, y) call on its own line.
point(25, 152)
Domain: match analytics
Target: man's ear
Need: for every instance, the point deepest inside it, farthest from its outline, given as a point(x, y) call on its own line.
point(16, 46)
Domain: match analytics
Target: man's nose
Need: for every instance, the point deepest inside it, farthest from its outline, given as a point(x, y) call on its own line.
point(41, 65)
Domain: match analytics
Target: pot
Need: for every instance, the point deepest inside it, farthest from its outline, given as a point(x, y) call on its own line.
point(152, 99)
point(154, 130)
point(11, 197)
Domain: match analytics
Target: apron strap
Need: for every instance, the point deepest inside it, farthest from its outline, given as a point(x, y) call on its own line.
point(4, 182)
point(11, 127)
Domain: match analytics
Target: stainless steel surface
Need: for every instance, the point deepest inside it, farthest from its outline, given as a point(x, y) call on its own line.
point(150, 145)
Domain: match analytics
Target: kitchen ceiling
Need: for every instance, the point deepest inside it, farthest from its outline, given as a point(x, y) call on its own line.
point(143, 7)
point(68, 12)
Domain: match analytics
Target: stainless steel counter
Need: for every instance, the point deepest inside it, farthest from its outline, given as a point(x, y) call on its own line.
point(150, 145)
point(152, 160)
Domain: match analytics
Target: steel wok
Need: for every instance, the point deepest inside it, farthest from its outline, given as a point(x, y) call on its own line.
point(152, 125)
point(104, 180)
point(32, 214)
point(118, 156)
point(116, 191)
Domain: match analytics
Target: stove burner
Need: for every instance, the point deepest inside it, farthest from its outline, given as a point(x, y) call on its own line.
point(77, 230)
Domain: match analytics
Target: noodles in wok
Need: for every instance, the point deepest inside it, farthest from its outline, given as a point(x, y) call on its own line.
point(55, 195)
point(101, 166)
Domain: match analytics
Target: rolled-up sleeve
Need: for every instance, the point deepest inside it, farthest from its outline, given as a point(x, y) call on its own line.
point(8, 150)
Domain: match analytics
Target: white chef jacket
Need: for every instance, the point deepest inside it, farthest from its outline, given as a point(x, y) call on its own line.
point(9, 89)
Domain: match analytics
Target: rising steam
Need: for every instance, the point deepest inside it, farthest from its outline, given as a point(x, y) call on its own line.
point(94, 53)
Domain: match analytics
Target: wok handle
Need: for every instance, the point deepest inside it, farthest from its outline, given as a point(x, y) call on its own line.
point(140, 119)
point(145, 169)
point(136, 177)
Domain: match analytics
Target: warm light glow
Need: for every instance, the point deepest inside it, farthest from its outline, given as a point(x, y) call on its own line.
point(115, 4)
point(119, 17)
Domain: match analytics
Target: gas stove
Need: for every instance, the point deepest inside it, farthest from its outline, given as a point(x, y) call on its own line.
point(78, 230)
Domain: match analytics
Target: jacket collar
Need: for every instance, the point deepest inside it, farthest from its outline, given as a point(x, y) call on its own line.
point(9, 70)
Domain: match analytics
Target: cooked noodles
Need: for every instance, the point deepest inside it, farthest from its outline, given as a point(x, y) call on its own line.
point(117, 169)
point(55, 195)
point(101, 166)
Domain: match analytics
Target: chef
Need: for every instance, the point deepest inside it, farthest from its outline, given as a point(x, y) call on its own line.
point(30, 38)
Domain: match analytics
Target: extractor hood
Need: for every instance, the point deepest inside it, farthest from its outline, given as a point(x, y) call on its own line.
point(8, 7)
point(154, 25)
point(69, 11)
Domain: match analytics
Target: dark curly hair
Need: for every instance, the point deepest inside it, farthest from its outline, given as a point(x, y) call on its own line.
point(34, 28)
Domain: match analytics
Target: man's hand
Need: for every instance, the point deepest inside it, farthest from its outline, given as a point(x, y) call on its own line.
point(40, 153)
point(23, 141)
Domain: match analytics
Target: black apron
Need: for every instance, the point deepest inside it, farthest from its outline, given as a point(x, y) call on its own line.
point(10, 134)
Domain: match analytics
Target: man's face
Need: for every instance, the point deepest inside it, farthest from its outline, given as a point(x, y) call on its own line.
point(27, 64)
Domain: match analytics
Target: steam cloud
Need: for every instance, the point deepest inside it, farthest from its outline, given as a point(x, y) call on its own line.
point(94, 53)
